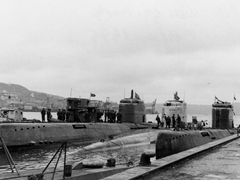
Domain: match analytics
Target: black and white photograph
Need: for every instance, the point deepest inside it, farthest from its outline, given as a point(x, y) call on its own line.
point(119, 89)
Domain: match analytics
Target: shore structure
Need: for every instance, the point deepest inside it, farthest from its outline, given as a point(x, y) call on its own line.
point(11, 114)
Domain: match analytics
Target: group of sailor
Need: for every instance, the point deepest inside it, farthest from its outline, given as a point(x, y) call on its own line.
point(44, 112)
point(112, 116)
point(170, 122)
point(62, 115)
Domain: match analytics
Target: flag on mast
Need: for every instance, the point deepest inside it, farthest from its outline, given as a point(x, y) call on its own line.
point(137, 96)
point(176, 97)
point(154, 102)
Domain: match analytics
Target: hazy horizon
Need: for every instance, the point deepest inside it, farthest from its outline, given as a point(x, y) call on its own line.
point(110, 47)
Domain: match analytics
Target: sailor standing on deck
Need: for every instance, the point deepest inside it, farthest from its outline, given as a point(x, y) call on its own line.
point(59, 114)
point(63, 115)
point(178, 122)
point(164, 119)
point(168, 122)
point(158, 121)
point(43, 113)
point(173, 121)
point(119, 117)
point(49, 115)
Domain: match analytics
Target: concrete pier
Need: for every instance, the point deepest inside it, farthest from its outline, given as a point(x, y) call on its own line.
point(218, 164)
point(145, 172)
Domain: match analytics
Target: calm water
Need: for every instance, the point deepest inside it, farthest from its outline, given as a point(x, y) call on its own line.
point(35, 158)
point(38, 158)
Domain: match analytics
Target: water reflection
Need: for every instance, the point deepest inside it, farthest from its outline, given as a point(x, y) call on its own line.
point(38, 158)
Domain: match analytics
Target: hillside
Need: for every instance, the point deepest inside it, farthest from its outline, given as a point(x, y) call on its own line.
point(19, 94)
point(14, 93)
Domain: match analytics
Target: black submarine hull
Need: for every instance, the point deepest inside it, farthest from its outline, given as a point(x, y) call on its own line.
point(172, 142)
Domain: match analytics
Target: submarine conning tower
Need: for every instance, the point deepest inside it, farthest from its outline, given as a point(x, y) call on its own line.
point(132, 109)
point(176, 107)
point(77, 109)
point(222, 115)
point(84, 110)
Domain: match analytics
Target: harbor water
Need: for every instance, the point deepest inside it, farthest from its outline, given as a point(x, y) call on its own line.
point(36, 158)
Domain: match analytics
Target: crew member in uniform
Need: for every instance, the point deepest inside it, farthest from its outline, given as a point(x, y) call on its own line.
point(43, 113)
point(168, 122)
point(173, 121)
point(59, 114)
point(178, 122)
point(158, 121)
point(49, 115)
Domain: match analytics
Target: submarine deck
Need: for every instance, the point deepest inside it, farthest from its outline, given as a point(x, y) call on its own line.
point(140, 172)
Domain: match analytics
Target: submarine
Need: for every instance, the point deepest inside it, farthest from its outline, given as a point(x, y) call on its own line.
point(172, 142)
point(82, 126)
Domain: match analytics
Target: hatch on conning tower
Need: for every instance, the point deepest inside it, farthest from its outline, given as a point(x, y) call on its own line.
point(222, 114)
point(132, 109)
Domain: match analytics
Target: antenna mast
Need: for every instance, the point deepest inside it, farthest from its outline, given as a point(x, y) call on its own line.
point(71, 92)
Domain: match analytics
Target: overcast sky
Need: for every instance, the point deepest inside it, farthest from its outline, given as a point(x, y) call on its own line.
point(110, 46)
